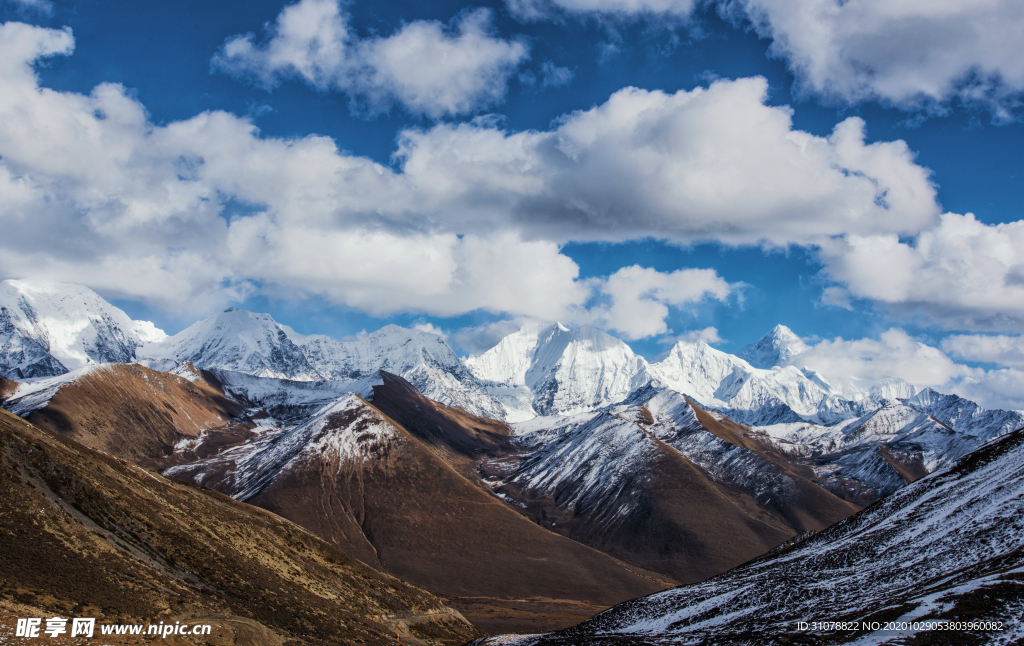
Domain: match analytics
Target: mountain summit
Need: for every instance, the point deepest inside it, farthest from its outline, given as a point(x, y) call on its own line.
point(241, 341)
point(776, 348)
point(48, 329)
point(552, 370)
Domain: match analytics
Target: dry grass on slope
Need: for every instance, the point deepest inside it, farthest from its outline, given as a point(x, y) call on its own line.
point(136, 413)
point(86, 534)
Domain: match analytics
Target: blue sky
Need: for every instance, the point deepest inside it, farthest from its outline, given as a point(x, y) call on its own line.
point(471, 166)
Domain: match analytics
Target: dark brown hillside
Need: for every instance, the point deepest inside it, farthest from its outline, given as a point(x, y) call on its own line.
point(7, 388)
point(139, 414)
point(86, 534)
point(674, 519)
point(458, 437)
point(806, 506)
point(428, 524)
point(689, 501)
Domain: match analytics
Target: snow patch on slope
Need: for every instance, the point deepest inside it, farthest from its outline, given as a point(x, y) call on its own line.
point(34, 395)
point(345, 431)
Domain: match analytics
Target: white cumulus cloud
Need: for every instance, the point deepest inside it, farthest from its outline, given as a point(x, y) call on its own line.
point(1001, 389)
point(961, 274)
point(854, 365)
point(713, 163)
point(708, 335)
point(427, 67)
point(913, 54)
point(641, 297)
point(998, 349)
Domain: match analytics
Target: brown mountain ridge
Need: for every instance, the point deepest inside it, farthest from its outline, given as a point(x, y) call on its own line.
point(408, 502)
point(86, 534)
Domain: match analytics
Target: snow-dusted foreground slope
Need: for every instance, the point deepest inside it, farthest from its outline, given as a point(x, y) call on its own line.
point(949, 547)
point(47, 329)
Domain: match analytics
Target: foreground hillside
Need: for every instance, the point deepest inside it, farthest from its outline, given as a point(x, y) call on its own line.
point(948, 548)
point(86, 534)
point(403, 496)
point(131, 411)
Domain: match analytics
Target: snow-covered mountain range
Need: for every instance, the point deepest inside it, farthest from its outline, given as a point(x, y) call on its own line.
point(879, 438)
point(594, 443)
point(257, 345)
point(48, 329)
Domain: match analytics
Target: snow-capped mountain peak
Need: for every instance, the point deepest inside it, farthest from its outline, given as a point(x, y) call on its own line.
point(552, 370)
point(776, 348)
point(49, 328)
point(238, 340)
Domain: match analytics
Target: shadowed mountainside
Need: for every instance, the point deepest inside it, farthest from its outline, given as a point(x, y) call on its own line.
point(358, 478)
point(86, 534)
point(947, 548)
point(661, 484)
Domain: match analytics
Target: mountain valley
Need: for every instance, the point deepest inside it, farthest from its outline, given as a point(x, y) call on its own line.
point(941, 561)
point(529, 487)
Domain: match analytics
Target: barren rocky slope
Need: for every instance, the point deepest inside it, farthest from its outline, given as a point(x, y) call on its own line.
point(131, 411)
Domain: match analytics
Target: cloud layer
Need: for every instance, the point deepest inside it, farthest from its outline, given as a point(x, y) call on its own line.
point(913, 54)
point(855, 365)
point(713, 163)
point(471, 216)
point(1001, 350)
point(426, 67)
point(961, 274)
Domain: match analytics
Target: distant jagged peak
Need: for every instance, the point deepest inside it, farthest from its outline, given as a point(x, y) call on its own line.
point(239, 340)
point(690, 348)
point(893, 388)
point(776, 348)
point(927, 397)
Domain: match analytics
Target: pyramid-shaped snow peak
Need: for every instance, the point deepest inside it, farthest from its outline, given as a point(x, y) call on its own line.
point(777, 348)
point(551, 370)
